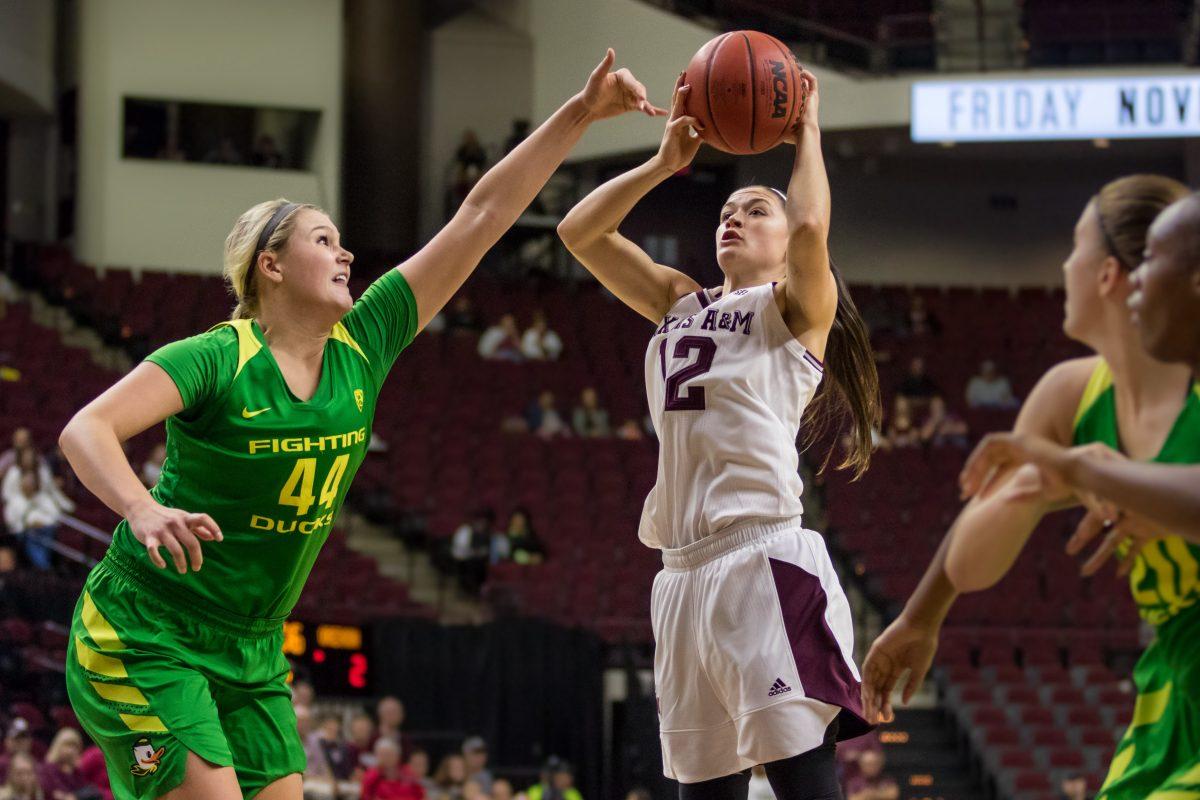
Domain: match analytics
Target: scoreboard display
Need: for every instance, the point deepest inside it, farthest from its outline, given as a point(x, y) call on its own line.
point(335, 658)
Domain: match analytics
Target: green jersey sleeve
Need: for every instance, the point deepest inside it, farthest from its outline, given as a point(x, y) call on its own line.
point(384, 321)
point(200, 366)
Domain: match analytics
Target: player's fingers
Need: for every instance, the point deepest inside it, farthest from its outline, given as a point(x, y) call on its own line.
point(176, 550)
point(191, 546)
point(1130, 557)
point(1103, 553)
point(980, 464)
point(916, 677)
point(152, 545)
point(201, 521)
point(1088, 529)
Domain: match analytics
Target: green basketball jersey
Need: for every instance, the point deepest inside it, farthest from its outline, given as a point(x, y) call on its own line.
point(1166, 576)
point(272, 470)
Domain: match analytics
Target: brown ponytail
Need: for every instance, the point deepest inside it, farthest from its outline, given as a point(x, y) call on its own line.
point(850, 388)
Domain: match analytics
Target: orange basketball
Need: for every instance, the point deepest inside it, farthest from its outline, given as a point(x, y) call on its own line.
point(746, 91)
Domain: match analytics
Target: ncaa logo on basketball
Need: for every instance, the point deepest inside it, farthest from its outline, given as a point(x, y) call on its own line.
point(358, 398)
point(779, 86)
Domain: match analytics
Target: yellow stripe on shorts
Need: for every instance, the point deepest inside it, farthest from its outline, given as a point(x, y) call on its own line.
point(98, 663)
point(142, 724)
point(120, 693)
point(1176, 794)
point(98, 628)
point(1149, 707)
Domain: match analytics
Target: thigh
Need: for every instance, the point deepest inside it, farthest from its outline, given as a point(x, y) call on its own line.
point(205, 781)
point(808, 776)
point(260, 726)
point(290, 787)
point(141, 704)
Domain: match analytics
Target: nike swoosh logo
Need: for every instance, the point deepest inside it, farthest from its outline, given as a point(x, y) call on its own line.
point(248, 414)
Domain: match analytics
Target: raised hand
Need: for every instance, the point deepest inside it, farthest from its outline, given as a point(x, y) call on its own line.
point(608, 93)
point(180, 532)
point(681, 138)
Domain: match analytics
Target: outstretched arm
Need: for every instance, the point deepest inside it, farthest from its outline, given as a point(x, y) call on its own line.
point(437, 271)
point(589, 231)
point(810, 289)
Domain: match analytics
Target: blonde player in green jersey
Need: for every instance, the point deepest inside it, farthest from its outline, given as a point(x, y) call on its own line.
point(1123, 395)
point(179, 675)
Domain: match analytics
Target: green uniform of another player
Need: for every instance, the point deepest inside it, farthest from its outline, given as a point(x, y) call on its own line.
point(161, 663)
point(1159, 756)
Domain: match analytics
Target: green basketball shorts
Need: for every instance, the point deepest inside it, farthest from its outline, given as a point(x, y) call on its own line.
point(152, 677)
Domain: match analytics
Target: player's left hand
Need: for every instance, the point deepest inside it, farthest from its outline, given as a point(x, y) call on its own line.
point(1125, 534)
point(903, 647)
point(809, 106)
point(608, 93)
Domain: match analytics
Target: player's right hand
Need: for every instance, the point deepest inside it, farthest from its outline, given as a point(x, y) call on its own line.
point(903, 646)
point(180, 532)
point(681, 139)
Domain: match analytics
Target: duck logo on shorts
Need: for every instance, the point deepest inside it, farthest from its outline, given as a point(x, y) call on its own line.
point(145, 758)
point(358, 398)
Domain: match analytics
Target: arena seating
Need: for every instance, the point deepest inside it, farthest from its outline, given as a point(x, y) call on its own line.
point(1029, 656)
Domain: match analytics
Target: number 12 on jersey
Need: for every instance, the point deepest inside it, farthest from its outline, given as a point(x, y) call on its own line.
point(678, 397)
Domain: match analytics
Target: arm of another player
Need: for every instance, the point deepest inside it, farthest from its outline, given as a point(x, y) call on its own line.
point(437, 271)
point(92, 443)
point(589, 231)
point(909, 643)
point(992, 530)
point(810, 291)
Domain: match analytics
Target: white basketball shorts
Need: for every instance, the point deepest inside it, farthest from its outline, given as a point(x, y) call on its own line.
point(753, 651)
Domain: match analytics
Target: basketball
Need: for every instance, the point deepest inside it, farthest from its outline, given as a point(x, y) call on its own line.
point(746, 91)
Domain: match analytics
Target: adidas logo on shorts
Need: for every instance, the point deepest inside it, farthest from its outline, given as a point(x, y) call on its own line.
point(778, 687)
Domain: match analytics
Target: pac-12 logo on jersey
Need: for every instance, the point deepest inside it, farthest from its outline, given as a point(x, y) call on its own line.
point(358, 398)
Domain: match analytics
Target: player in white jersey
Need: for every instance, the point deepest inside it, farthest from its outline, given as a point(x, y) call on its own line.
point(753, 660)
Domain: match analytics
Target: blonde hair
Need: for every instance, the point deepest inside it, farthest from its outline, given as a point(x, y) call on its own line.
point(241, 244)
point(60, 740)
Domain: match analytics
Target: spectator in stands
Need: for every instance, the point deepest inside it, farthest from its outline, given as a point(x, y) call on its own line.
point(463, 319)
point(91, 767)
point(22, 440)
point(304, 721)
point(329, 758)
point(418, 768)
point(850, 752)
point(523, 543)
point(942, 426)
point(473, 791)
point(59, 774)
point(389, 712)
point(871, 783)
point(589, 419)
point(557, 782)
point(539, 342)
point(475, 754)
point(543, 418)
point(18, 741)
point(630, 431)
point(638, 793)
point(520, 130)
point(8, 563)
point(362, 740)
point(902, 430)
point(921, 321)
point(21, 782)
point(502, 341)
point(470, 161)
point(33, 516)
point(503, 790)
point(303, 693)
point(152, 467)
point(917, 386)
point(470, 548)
point(990, 389)
point(450, 776)
point(266, 153)
point(389, 780)
point(225, 152)
point(1073, 787)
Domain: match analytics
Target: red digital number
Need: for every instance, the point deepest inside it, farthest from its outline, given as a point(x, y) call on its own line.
point(357, 675)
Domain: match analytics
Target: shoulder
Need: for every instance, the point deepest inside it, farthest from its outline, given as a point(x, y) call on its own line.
point(1051, 407)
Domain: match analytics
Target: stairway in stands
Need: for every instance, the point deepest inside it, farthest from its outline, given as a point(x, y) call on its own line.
point(926, 758)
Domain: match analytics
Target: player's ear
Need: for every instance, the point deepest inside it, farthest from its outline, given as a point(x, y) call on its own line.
point(1111, 276)
point(268, 267)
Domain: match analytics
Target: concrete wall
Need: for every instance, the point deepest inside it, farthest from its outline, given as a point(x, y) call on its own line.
point(274, 53)
point(26, 56)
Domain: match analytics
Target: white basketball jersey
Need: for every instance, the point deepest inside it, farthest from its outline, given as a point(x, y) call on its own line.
point(727, 385)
